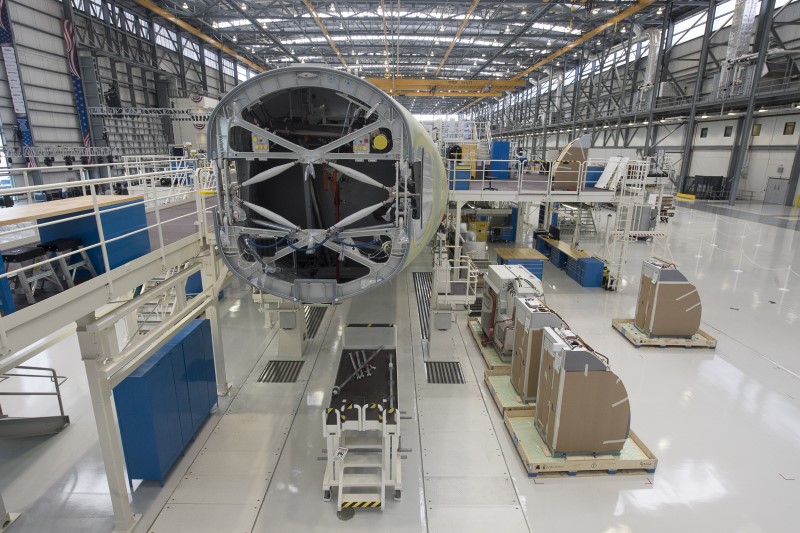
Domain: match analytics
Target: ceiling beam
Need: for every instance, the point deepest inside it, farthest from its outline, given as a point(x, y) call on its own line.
point(594, 32)
point(166, 15)
point(436, 85)
point(324, 30)
point(456, 36)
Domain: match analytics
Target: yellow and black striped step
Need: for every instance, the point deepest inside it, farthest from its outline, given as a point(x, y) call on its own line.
point(362, 505)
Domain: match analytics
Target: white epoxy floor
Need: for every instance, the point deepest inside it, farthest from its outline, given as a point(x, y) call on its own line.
point(725, 424)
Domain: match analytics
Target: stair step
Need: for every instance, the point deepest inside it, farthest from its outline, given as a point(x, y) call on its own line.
point(363, 460)
point(361, 479)
point(360, 441)
point(32, 426)
point(362, 499)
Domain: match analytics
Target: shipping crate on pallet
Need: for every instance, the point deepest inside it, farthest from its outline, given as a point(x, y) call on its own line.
point(490, 355)
point(634, 458)
point(498, 381)
point(638, 338)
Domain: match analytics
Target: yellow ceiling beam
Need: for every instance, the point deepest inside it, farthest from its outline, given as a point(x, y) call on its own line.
point(166, 15)
point(594, 32)
point(324, 30)
point(445, 94)
point(456, 36)
point(424, 84)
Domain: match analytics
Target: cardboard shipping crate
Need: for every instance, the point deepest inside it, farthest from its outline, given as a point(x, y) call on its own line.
point(582, 406)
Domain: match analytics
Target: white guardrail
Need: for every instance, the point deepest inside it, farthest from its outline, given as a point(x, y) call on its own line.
point(166, 199)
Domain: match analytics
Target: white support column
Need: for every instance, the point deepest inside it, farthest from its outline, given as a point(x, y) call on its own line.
point(6, 518)
point(210, 273)
point(96, 348)
point(292, 328)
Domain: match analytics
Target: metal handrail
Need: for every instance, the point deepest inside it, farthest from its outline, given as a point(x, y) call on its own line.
point(51, 375)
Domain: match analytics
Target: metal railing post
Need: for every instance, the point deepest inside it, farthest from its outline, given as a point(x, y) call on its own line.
point(101, 235)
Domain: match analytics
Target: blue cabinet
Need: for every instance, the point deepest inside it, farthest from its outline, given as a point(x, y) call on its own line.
point(459, 177)
point(162, 404)
point(500, 154)
point(587, 271)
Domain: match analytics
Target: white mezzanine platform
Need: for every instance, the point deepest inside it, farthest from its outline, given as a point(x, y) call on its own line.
point(724, 423)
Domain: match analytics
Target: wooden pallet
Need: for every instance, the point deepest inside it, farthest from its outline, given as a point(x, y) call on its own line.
point(638, 338)
point(490, 355)
point(634, 458)
point(505, 397)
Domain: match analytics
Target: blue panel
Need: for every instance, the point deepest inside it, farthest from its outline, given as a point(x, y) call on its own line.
point(210, 371)
point(149, 423)
point(191, 340)
point(558, 258)
point(194, 284)
point(6, 298)
point(181, 390)
point(592, 175)
point(542, 247)
point(459, 178)
point(501, 150)
point(513, 220)
point(115, 223)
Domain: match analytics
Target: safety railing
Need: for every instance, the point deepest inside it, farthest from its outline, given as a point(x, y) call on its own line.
point(98, 227)
point(456, 280)
point(518, 177)
point(48, 373)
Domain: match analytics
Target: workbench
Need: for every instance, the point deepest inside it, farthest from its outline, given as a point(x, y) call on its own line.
point(531, 259)
point(115, 222)
point(578, 264)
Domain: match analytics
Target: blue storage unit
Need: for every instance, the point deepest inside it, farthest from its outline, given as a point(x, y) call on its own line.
point(500, 155)
point(162, 404)
point(542, 247)
point(557, 257)
point(589, 272)
point(459, 178)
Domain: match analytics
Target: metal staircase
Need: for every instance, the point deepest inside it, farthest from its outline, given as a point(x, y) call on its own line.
point(152, 313)
point(362, 483)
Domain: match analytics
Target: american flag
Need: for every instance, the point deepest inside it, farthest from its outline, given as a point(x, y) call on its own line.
point(77, 85)
point(14, 82)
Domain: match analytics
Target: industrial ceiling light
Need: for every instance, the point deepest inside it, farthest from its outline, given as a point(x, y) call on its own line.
point(549, 42)
point(660, 10)
point(483, 55)
point(244, 6)
point(523, 13)
point(624, 30)
point(185, 6)
point(595, 11)
point(763, 110)
point(508, 29)
point(234, 37)
point(704, 116)
point(732, 113)
point(663, 120)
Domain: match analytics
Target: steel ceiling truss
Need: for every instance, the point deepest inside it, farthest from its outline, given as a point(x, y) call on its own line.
point(498, 40)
